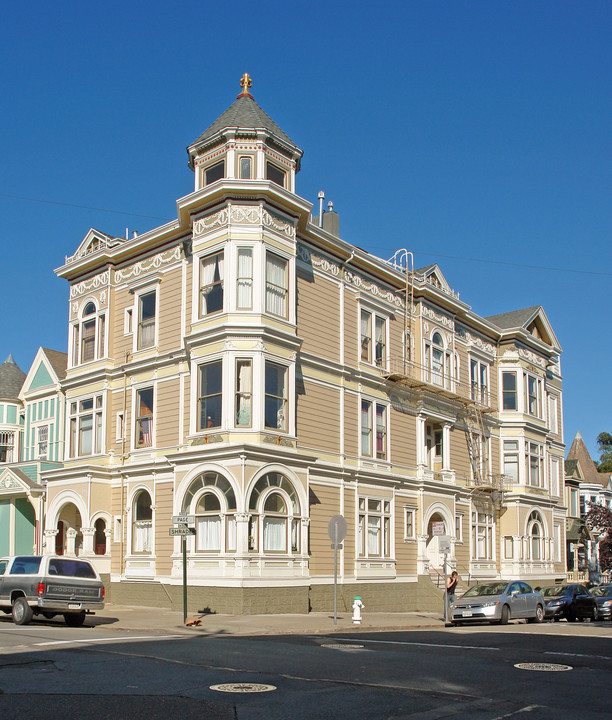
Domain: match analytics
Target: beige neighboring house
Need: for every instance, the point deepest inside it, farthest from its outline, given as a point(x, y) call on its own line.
point(591, 487)
point(246, 366)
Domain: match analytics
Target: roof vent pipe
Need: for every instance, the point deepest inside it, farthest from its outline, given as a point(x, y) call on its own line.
point(321, 199)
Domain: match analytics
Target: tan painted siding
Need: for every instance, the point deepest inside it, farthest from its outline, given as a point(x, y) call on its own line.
point(349, 541)
point(167, 408)
point(318, 417)
point(169, 311)
point(318, 316)
point(121, 342)
point(403, 438)
point(164, 544)
point(460, 461)
point(351, 340)
point(321, 512)
point(405, 551)
point(351, 424)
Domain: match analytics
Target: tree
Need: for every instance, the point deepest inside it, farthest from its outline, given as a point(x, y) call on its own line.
point(599, 519)
point(604, 441)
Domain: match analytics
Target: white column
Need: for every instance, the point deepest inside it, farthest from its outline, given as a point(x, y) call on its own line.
point(71, 534)
point(88, 541)
point(446, 462)
point(242, 533)
point(421, 457)
point(49, 542)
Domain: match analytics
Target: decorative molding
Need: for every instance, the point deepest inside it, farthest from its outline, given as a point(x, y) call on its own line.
point(374, 289)
point(532, 357)
point(324, 264)
point(243, 215)
point(153, 263)
point(10, 484)
point(93, 283)
point(207, 439)
point(434, 316)
point(475, 340)
point(278, 440)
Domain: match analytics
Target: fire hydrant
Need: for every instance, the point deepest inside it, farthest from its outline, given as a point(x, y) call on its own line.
point(357, 605)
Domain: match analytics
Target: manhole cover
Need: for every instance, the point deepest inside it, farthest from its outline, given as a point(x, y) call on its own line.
point(242, 688)
point(543, 667)
point(340, 646)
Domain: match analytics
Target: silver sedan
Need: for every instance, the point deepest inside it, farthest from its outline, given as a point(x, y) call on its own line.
point(498, 602)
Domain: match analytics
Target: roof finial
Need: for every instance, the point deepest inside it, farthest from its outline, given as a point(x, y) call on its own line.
point(245, 83)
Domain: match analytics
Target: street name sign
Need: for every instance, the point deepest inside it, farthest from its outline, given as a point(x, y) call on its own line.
point(184, 519)
point(182, 530)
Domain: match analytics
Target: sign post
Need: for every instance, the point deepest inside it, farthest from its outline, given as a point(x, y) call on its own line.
point(183, 530)
point(444, 547)
point(337, 532)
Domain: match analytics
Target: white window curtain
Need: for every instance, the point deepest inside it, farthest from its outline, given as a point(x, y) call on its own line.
point(366, 427)
point(209, 265)
point(373, 535)
point(275, 534)
point(209, 533)
point(142, 536)
point(276, 291)
point(365, 336)
point(380, 341)
point(244, 382)
point(245, 279)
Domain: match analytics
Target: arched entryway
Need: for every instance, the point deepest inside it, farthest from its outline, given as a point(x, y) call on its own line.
point(69, 538)
point(436, 527)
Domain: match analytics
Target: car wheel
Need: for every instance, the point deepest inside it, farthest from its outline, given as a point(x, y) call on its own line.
point(505, 615)
point(22, 612)
point(539, 615)
point(74, 619)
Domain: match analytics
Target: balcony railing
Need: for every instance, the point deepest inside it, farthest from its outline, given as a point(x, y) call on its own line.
point(438, 381)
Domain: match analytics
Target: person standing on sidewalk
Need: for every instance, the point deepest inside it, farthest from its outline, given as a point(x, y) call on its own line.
point(451, 585)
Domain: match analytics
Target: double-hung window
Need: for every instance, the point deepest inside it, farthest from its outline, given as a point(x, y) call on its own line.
point(374, 527)
point(7, 445)
point(88, 335)
point(277, 286)
point(210, 380)
point(533, 395)
point(534, 460)
point(438, 362)
point(244, 279)
point(511, 461)
point(373, 346)
point(144, 418)
point(479, 377)
point(147, 304)
point(276, 396)
point(509, 391)
point(85, 423)
point(244, 393)
point(43, 442)
point(482, 535)
point(211, 282)
point(373, 430)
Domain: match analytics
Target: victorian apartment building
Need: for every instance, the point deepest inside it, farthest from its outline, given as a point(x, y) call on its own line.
point(245, 365)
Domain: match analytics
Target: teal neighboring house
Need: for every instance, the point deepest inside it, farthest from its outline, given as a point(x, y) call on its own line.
point(31, 440)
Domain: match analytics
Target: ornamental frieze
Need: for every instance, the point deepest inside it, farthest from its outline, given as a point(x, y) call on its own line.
point(437, 317)
point(93, 283)
point(154, 263)
point(475, 340)
point(243, 215)
point(532, 357)
point(9, 484)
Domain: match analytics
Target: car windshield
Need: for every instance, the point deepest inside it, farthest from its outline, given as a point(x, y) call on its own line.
point(601, 591)
point(555, 591)
point(492, 589)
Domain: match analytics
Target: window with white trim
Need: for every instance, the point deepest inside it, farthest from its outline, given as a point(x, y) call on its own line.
point(409, 523)
point(373, 429)
point(479, 381)
point(276, 397)
point(147, 312)
point(244, 392)
point(554, 476)
point(275, 515)
point(459, 527)
point(210, 387)
point(374, 527)
point(211, 283)
point(85, 427)
point(553, 420)
point(373, 338)
point(7, 446)
point(511, 461)
point(533, 395)
point(509, 395)
point(42, 442)
point(482, 535)
point(211, 499)
point(534, 464)
point(535, 536)
point(214, 172)
point(144, 418)
point(88, 335)
point(244, 279)
point(438, 361)
point(277, 285)
point(142, 523)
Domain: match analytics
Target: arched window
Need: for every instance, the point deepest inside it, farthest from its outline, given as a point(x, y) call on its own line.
point(100, 537)
point(142, 525)
point(438, 361)
point(275, 515)
point(535, 533)
point(88, 335)
point(212, 500)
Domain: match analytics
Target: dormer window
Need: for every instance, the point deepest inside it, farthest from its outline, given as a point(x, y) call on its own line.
point(215, 172)
point(275, 174)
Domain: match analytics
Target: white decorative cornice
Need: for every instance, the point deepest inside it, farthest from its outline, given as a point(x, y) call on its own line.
point(531, 357)
point(243, 215)
point(322, 263)
point(8, 483)
point(144, 266)
point(374, 289)
point(475, 340)
point(93, 283)
point(438, 317)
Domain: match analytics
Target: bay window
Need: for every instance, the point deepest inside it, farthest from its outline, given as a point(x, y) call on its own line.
point(276, 397)
point(210, 378)
point(534, 460)
point(509, 391)
point(88, 335)
point(144, 418)
point(85, 426)
point(244, 393)
point(244, 279)
point(211, 282)
point(511, 461)
point(276, 285)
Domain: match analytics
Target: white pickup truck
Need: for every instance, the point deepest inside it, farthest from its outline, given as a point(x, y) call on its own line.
point(49, 585)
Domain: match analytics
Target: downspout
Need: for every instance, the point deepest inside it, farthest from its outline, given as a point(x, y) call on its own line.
point(122, 563)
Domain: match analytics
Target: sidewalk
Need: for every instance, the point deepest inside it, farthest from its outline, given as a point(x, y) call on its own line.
point(163, 621)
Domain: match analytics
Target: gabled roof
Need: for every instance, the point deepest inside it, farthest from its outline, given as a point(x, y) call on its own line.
point(11, 379)
point(95, 241)
point(531, 319)
point(432, 275)
point(245, 114)
point(47, 371)
point(13, 480)
point(586, 467)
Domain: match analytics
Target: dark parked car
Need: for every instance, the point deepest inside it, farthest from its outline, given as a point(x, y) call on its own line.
point(572, 602)
point(603, 600)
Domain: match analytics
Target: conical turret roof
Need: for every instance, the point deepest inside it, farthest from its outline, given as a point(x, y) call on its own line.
point(11, 379)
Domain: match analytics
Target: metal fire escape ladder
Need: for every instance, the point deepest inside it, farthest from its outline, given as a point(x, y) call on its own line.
point(477, 447)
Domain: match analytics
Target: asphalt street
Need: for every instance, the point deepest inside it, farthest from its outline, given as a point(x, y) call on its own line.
point(48, 671)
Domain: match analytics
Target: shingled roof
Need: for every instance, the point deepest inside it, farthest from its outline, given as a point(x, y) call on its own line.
point(245, 114)
point(578, 451)
point(11, 379)
point(515, 318)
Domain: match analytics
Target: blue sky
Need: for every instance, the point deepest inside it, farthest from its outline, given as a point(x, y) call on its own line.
point(475, 134)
